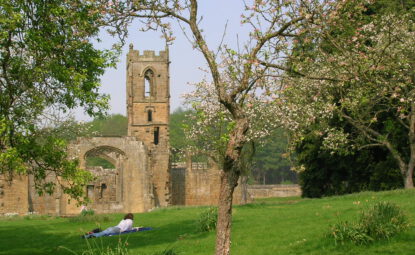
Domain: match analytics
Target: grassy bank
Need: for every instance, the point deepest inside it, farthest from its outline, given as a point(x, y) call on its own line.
point(268, 226)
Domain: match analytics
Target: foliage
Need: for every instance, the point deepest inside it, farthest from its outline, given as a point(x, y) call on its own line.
point(87, 212)
point(37, 217)
point(357, 68)
point(48, 66)
point(352, 164)
point(178, 143)
point(208, 219)
point(328, 174)
point(97, 161)
point(88, 215)
point(89, 218)
point(167, 251)
point(111, 125)
point(95, 248)
point(270, 162)
point(345, 231)
point(382, 221)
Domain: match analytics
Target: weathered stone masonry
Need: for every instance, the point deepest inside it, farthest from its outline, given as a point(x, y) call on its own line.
point(143, 177)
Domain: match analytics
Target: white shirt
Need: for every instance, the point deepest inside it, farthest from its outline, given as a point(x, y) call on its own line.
point(125, 225)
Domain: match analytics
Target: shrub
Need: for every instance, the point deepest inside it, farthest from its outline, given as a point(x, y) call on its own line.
point(89, 218)
point(168, 251)
point(87, 212)
point(345, 231)
point(95, 248)
point(37, 217)
point(382, 221)
point(208, 219)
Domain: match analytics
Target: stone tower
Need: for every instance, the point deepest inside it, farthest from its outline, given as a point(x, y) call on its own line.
point(148, 109)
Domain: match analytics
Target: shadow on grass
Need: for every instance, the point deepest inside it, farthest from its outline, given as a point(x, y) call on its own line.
point(46, 237)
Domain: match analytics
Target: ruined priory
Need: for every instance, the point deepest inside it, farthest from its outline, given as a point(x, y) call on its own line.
point(143, 176)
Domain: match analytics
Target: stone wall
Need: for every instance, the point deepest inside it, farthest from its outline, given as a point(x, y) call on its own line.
point(104, 191)
point(198, 184)
point(14, 195)
point(45, 203)
point(278, 190)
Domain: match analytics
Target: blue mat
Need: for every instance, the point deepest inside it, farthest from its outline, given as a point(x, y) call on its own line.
point(130, 231)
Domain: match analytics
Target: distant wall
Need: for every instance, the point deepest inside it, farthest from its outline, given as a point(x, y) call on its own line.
point(46, 203)
point(13, 195)
point(277, 190)
point(198, 184)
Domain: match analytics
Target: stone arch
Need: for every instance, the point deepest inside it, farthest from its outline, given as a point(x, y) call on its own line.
point(113, 180)
point(128, 186)
point(108, 153)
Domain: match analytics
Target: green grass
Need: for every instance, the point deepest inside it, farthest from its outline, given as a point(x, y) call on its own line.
point(267, 226)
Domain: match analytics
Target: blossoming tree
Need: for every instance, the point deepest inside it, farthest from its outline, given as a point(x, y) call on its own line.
point(238, 86)
point(365, 76)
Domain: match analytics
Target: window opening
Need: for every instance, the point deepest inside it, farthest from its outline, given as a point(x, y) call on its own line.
point(150, 115)
point(93, 161)
point(156, 135)
point(148, 80)
point(90, 191)
point(103, 188)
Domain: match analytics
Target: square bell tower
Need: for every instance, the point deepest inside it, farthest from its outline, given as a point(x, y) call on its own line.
point(148, 110)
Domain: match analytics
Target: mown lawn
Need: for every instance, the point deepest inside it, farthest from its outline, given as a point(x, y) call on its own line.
point(268, 226)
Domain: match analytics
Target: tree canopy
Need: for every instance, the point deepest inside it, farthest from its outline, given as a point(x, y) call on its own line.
point(48, 65)
point(357, 65)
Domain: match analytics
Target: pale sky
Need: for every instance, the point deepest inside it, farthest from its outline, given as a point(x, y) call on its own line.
point(185, 61)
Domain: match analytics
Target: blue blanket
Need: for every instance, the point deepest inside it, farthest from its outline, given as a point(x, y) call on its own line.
point(130, 231)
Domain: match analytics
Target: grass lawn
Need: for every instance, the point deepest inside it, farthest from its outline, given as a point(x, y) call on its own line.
point(267, 226)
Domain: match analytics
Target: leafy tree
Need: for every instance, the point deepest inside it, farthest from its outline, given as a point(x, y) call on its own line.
point(327, 174)
point(363, 75)
point(324, 170)
point(48, 64)
point(112, 125)
point(178, 142)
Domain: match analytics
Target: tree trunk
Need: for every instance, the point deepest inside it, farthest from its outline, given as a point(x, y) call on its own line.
point(409, 183)
point(229, 180)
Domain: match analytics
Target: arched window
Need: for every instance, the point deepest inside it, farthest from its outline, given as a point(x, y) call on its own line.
point(148, 83)
point(149, 115)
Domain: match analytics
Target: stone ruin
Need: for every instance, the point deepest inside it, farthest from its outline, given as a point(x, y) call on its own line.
point(143, 176)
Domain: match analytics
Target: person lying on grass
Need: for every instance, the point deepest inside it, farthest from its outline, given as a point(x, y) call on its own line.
point(125, 225)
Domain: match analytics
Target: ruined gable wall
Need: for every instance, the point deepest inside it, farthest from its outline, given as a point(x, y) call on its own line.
point(134, 179)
